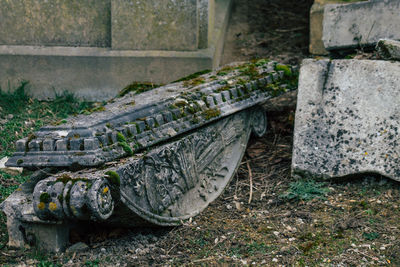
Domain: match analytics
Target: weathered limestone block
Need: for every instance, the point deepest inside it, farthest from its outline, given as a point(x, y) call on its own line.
point(389, 49)
point(155, 25)
point(55, 22)
point(347, 119)
point(360, 24)
point(316, 19)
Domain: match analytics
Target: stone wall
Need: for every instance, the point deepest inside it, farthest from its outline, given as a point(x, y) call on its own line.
point(55, 22)
point(95, 48)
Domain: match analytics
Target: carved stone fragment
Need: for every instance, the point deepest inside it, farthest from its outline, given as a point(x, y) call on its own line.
point(173, 151)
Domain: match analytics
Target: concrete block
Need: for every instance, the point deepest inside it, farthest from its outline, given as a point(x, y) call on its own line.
point(347, 119)
point(55, 22)
point(360, 24)
point(154, 25)
point(316, 18)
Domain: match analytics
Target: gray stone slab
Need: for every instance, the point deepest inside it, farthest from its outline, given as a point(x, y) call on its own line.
point(55, 22)
point(347, 119)
point(360, 24)
point(154, 25)
point(389, 49)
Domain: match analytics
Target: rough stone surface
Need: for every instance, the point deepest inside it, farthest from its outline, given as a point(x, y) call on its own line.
point(316, 18)
point(360, 24)
point(389, 49)
point(55, 22)
point(347, 119)
point(155, 25)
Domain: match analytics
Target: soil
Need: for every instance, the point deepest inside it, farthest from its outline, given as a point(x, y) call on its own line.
point(352, 223)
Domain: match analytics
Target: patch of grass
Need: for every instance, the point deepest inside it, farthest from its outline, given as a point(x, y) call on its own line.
point(371, 236)
point(28, 114)
point(305, 190)
point(93, 263)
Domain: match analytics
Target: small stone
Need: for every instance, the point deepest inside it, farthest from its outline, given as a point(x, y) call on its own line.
point(275, 260)
point(9, 116)
point(80, 246)
point(103, 250)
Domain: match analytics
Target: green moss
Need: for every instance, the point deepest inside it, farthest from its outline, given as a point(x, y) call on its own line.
point(20, 161)
point(137, 88)
point(113, 177)
point(44, 197)
point(261, 62)
point(120, 137)
point(211, 113)
point(193, 76)
point(222, 73)
point(194, 82)
point(286, 69)
point(60, 198)
point(126, 148)
point(251, 71)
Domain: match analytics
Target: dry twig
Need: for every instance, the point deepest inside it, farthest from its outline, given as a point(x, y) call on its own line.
point(251, 182)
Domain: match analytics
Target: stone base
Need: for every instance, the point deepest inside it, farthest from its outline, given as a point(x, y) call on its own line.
point(316, 18)
point(100, 73)
point(46, 237)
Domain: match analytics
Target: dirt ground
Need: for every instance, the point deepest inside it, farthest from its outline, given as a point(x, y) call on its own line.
point(351, 222)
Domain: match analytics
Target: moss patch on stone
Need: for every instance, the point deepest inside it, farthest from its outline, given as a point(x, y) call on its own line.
point(44, 197)
point(121, 137)
point(211, 113)
point(113, 177)
point(126, 148)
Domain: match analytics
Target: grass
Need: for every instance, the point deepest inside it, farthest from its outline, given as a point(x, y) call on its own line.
point(305, 190)
point(20, 116)
point(28, 114)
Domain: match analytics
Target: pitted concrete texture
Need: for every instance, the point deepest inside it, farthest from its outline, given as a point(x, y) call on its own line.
point(55, 23)
point(389, 49)
point(347, 119)
point(154, 25)
point(360, 24)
